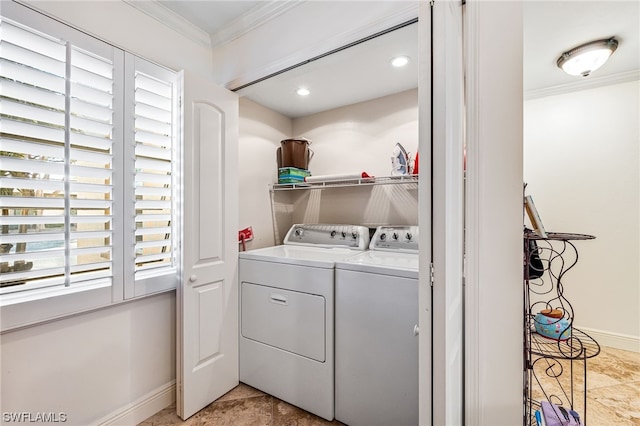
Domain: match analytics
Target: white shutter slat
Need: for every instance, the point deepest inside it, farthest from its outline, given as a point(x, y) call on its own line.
point(154, 258)
point(94, 274)
point(85, 109)
point(90, 172)
point(153, 113)
point(153, 85)
point(89, 62)
point(153, 139)
point(32, 203)
point(31, 94)
point(30, 256)
point(153, 244)
point(153, 218)
point(153, 191)
point(31, 238)
point(153, 164)
point(42, 149)
point(32, 220)
point(104, 221)
point(153, 152)
point(91, 79)
point(34, 131)
point(22, 165)
point(51, 187)
point(92, 157)
point(153, 205)
point(31, 76)
point(91, 95)
point(92, 188)
point(37, 42)
point(96, 128)
point(150, 98)
point(153, 126)
point(90, 204)
point(91, 250)
point(90, 234)
point(47, 71)
point(88, 141)
point(154, 230)
point(153, 178)
point(29, 275)
point(28, 112)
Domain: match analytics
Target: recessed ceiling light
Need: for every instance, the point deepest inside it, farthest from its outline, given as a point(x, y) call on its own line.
point(588, 57)
point(400, 61)
point(303, 91)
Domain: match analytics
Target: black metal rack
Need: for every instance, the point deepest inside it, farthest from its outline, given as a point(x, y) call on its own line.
point(555, 369)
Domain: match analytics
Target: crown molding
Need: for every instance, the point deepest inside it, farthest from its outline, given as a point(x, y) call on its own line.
point(252, 19)
point(589, 83)
point(169, 18)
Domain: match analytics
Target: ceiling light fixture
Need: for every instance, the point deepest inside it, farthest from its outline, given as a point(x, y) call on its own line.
point(588, 57)
point(303, 92)
point(400, 61)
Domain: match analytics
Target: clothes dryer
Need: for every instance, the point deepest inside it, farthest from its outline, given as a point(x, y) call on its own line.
point(287, 314)
point(376, 327)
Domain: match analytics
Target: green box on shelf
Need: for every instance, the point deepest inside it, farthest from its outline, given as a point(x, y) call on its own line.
point(292, 175)
point(292, 171)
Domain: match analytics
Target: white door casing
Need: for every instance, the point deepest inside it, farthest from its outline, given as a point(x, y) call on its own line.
point(448, 213)
point(207, 302)
point(493, 361)
point(424, 219)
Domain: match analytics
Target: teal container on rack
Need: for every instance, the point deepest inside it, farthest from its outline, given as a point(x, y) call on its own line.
point(292, 175)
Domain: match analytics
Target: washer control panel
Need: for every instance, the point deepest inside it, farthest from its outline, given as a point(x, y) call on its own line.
point(328, 235)
point(395, 238)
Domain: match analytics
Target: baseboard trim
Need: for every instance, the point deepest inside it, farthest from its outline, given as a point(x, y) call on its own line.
point(143, 408)
point(614, 340)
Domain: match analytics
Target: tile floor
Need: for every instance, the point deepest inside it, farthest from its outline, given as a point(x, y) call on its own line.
point(613, 399)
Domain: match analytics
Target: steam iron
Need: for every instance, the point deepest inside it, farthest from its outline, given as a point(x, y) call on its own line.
point(399, 161)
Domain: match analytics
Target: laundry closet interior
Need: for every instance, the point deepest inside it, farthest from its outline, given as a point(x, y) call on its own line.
point(299, 318)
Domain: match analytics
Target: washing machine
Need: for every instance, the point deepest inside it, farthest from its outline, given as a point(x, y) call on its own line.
point(287, 313)
point(376, 328)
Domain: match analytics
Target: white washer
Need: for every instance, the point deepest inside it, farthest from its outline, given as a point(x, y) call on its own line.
point(376, 316)
point(286, 314)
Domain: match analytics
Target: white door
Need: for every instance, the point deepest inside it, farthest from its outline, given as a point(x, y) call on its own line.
point(448, 212)
point(207, 302)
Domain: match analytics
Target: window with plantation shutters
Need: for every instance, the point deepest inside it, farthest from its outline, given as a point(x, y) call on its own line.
point(88, 190)
point(56, 162)
point(154, 175)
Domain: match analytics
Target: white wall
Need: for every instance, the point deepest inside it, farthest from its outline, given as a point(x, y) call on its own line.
point(96, 366)
point(92, 365)
point(261, 131)
point(582, 162)
point(354, 138)
point(361, 137)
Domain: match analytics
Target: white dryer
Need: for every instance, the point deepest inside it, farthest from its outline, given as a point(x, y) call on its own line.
point(286, 314)
point(376, 343)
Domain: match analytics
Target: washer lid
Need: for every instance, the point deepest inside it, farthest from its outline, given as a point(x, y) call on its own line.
point(383, 262)
point(300, 255)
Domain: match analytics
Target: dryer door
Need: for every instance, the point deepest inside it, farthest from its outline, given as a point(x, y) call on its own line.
point(289, 320)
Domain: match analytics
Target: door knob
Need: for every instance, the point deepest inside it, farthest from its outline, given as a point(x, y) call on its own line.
point(416, 330)
point(193, 278)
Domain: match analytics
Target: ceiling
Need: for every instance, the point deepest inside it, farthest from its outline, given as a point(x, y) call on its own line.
point(553, 27)
point(550, 28)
